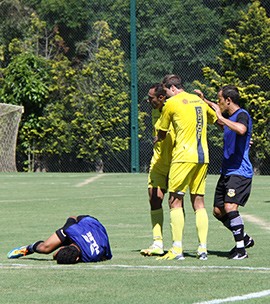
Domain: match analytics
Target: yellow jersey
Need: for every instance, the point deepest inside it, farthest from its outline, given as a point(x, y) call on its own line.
point(189, 115)
point(162, 151)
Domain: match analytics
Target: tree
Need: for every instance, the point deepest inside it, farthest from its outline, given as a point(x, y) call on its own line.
point(27, 78)
point(245, 62)
point(72, 18)
point(89, 110)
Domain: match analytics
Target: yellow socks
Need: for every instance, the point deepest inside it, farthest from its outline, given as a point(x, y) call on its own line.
point(202, 228)
point(157, 224)
point(177, 226)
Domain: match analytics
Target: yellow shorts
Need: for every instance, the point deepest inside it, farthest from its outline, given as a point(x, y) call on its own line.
point(157, 180)
point(188, 175)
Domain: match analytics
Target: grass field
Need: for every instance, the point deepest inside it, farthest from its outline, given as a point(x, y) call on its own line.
point(35, 205)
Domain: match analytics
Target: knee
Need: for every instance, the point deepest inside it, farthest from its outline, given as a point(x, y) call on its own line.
point(156, 197)
point(217, 213)
point(44, 248)
point(156, 202)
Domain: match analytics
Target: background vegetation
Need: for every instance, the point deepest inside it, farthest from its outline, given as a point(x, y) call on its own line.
point(68, 64)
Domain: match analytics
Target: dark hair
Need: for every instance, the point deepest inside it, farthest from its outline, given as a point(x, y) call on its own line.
point(172, 79)
point(232, 92)
point(68, 255)
point(159, 89)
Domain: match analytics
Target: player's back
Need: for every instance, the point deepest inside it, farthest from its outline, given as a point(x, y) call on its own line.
point(188, 114)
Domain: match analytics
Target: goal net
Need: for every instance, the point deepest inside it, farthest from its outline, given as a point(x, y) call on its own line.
point(10, 116)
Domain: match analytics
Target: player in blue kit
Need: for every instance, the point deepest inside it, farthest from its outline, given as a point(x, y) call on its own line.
point(234, 185)
point(81, 239)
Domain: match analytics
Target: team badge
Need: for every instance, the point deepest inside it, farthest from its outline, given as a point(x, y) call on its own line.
point(231, 192)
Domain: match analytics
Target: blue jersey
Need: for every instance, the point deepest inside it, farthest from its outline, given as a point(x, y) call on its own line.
point(91, 236)
point(236, 147)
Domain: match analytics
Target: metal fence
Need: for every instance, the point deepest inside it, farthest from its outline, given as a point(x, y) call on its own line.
point(147, 64)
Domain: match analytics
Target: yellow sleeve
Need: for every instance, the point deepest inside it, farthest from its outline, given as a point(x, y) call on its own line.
point(165, 118)
point(211, 115)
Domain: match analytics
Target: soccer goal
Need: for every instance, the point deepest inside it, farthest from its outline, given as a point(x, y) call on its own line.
point(10, 116)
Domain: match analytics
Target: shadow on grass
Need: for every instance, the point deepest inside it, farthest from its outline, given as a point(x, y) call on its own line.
point(193, 254)
point(38, 259)
point(218, 253)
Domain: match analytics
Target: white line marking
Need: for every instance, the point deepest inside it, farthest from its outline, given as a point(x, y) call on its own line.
point(256, 220)
point(248, 296)
point(89, 180)
point(105, 266)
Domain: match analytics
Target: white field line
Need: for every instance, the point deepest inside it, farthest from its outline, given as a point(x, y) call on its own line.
point(257, 221)
point(146, 267)
point(89, 180)
point(87, 266)
point(248, 296)
point(265, 226)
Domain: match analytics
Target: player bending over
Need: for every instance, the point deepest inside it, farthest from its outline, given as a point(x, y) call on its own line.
point(81, 239)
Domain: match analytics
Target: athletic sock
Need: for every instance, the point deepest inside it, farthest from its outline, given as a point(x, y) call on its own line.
point(202, 228)
point(157, 224)
point(225, 221)
point(177, 225)
point(237, 228)
point(33, 247)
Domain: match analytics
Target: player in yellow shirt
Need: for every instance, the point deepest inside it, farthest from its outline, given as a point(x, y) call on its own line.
point(159, 169)
point(189, 115)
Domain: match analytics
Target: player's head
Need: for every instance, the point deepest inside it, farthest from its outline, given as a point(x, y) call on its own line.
point(156, 95)
point(68, 255)
point(232, 92)
point(228, 96)
point(172, 83)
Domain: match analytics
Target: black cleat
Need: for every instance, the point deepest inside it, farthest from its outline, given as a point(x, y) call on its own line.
point(249, 243)
point(238, 255)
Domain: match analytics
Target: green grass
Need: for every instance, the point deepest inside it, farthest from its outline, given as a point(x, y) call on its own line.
point(35, 205)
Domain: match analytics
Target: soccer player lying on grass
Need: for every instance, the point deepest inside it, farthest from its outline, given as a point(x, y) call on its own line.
point(81, 239)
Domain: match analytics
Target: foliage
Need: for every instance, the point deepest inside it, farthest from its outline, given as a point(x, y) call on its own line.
point(79, 108)
point(89, 109)
point(56, 46)
point(244, 62)
point(72, 18)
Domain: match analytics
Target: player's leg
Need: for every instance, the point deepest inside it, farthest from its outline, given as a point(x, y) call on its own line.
point(157, 185)
point(237, 228)
point(178, 183)
point(18, 252)
point(202, 229)
point(43, 247)
point(237, 190)
point(197, 190)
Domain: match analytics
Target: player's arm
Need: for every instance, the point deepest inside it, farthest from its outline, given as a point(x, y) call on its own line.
point(201, 95)
point(164, 124)
point(213, 106)
point(161, 135)
point(239, 127)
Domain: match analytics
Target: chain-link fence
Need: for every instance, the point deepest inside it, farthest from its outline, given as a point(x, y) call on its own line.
point(180, 37)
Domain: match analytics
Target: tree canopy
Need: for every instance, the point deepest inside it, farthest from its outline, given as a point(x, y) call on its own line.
point(68, 64)
point(245, 62)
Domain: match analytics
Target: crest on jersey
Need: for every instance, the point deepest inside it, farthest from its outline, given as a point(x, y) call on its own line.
point(231, 192)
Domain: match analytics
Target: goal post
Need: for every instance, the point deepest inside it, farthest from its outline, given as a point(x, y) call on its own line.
point(10, 117)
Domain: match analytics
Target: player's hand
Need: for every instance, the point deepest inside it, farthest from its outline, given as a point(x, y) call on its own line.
point(155, 139)
point(199, 93)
